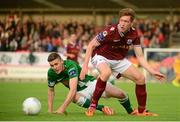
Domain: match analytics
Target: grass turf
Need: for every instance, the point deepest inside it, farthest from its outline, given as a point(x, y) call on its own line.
point(162, 99)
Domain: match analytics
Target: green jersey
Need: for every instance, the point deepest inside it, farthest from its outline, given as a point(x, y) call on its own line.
point(71, 70)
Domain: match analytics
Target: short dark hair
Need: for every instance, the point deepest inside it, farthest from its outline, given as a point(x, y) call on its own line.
point(127, 12)
point(53, 56)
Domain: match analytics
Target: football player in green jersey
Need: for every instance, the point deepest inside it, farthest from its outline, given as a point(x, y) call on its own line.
point(80, 91)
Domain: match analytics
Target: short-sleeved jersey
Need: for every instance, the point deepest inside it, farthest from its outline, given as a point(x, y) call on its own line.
point(73, 49)
point(71, 70)
point(115, 45)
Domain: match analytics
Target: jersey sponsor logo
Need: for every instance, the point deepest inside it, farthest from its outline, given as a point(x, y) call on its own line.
point(116, 40)
point(101, 36)
point(59, 79)
point(129, 41)
point(120, 47)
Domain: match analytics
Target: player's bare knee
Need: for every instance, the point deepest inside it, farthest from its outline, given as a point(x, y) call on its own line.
point(140, 79)
point(105, 75)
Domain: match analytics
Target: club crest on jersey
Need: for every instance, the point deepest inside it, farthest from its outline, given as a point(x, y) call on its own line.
point(112, 28)
point(129, 41)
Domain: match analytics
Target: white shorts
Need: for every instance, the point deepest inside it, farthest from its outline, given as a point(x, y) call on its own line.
point(88, 92)
point(117, 66)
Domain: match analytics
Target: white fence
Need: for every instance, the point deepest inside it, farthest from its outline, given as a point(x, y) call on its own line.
point(23, 65)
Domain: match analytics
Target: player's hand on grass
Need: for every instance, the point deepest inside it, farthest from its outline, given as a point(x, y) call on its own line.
point(60, 112)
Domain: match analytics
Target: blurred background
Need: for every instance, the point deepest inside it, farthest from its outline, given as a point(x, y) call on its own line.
point(30, 29)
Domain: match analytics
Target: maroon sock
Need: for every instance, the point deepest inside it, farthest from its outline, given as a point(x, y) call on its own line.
point(141, 97)
point(100, 87)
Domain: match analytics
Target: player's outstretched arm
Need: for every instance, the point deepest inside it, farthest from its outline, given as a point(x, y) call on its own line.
point(94, 43)
point(70, 96)
point(50, 99)
point(144, 63)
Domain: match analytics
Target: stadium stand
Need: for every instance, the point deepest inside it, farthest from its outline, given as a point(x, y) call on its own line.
point(19, 34)
point(47, 36)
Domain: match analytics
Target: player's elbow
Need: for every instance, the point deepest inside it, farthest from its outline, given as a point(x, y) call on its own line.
point(140, 59)
point(93, 44)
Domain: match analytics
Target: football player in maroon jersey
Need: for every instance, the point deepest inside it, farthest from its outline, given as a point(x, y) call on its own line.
point(72, 49)
point(108, 50)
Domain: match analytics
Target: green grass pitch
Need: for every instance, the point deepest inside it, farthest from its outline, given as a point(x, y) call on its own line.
point(163, 99)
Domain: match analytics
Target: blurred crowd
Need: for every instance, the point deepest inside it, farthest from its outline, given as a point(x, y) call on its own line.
point(156, 33)
point(47, 36)
point(42, 36)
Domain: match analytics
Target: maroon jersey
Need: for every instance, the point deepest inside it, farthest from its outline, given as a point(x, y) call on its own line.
point(73, 49)
point(115, 45)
